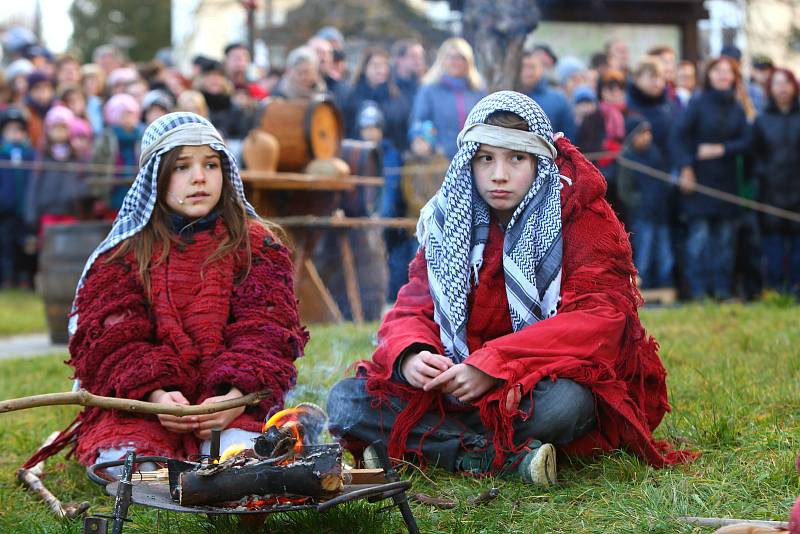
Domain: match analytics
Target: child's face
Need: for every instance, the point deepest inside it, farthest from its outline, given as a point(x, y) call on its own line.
point(503, 178)
point(421, 147)
point(58, 133)
point(153, 113)
point(128, 120)
point(642, 140)
point(42, 93)
point(195, 185)
point(13, 132)
point(372, 133)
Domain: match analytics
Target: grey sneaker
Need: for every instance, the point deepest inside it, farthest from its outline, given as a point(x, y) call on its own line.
point(539, 466)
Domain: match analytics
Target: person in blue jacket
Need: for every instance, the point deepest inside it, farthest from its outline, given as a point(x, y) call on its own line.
point(449, 90)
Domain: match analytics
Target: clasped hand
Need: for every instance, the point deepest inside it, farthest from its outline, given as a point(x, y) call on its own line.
point(200, 425)
point(428, 371)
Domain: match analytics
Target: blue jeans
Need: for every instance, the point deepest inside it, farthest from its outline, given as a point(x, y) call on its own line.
point(782, 252)
point(652, 253)
point(562, 412)
point(709, 257)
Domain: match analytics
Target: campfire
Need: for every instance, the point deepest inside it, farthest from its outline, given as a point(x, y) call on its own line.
point(283, 466)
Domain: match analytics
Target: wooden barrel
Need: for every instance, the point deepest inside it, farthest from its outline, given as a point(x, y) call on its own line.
point(306, 129)
point(65, 249)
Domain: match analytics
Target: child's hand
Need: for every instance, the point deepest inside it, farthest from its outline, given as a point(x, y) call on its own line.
point(463, 381)
point(418, 369)
point(687, 180)
point(220, 420)
point(173, 423)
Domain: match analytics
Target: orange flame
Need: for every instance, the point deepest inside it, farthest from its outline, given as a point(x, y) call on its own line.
point(232, 450)
point(289, 419)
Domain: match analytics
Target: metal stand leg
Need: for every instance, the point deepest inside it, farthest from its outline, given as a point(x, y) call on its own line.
point(391, 475)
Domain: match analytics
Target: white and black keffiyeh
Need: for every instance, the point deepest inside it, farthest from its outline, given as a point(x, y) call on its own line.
point(454, 227)
point(164, 134)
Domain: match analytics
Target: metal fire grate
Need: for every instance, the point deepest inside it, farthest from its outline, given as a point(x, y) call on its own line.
point(128, 490)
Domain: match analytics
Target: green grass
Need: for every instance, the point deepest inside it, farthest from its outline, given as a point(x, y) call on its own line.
point(21, 312)
point(734, 377)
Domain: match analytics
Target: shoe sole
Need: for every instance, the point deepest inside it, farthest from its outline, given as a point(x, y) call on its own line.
point(543, 467)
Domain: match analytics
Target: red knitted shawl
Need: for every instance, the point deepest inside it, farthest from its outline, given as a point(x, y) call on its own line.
point(596, 338)
point(202, 334)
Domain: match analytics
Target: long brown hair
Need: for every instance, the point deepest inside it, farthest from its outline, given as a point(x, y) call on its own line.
point(739, 87)
point(158, 228)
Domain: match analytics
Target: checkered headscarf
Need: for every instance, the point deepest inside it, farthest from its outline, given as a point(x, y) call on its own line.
point(159, 138)
point(454, 227)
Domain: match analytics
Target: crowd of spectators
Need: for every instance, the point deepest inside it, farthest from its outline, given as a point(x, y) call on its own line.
point(63, 120)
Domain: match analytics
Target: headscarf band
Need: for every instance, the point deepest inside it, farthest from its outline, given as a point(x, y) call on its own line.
point(509, 138)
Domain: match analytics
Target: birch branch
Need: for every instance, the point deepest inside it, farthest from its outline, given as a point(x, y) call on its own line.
point(84, 398)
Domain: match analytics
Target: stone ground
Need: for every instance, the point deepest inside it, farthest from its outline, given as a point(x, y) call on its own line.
point(28, 345)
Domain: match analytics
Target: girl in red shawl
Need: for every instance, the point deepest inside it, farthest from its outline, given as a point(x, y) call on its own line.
point(518, 327)
point(188, 301)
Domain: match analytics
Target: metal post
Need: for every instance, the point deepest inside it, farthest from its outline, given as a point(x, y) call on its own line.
point(124, 491)
point(391, 475)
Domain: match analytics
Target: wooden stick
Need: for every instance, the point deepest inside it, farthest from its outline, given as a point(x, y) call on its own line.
point(34, 483)
point(84, 398)
point(315, 221)
point(724, 521)
point(351, 278)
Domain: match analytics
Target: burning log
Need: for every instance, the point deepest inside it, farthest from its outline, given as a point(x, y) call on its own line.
point(315, 473)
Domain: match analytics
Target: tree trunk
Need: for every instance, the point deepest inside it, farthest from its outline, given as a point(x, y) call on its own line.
point(497, 33)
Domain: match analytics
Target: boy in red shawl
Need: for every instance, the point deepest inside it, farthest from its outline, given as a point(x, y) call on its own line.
point(518, 327)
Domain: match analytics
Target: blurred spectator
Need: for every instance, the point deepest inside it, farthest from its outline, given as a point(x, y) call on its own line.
point(57, 193)
point(119, 145)
point(137, 89)
point(552, 101)
point(192, 101)
point(302, 77)
point(449, 90)
point(709, 136)
point(93, 81)
point(647, 96)
point(42, 60)
point(584, 103)
point(372, 82)
point(685, 82)
point(38, 101)
point(118, 80)
point(81, 137)
point(408, 66)
point(370, 125)
point(570, 73)
point(598, 66)
point(232, 121)
point(776, 148)
point(238, 66)
point(15, 152)
point(604, 130)
point(338, 69)
point(762, 67)
point(108, 57)
point(618, 55)
point(336, 85)
point(666, 56)
point(647, 205)
point(68, 70)
point(17, 79)
point(155, 104)
point(72, 96)
point(547, 59)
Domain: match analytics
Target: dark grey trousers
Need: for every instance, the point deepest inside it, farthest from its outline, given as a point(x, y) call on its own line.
point(563, 411)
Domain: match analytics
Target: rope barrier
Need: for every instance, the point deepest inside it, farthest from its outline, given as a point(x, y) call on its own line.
point(94, 170)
